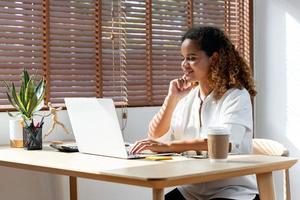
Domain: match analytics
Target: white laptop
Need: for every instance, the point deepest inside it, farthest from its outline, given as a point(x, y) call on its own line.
point(96, 127)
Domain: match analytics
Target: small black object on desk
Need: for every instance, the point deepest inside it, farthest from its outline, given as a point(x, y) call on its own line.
point(65, 148)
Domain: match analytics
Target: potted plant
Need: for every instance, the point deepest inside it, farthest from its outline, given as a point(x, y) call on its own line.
point(27, 101)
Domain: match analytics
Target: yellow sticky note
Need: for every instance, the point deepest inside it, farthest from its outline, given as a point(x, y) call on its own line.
point(156, 158)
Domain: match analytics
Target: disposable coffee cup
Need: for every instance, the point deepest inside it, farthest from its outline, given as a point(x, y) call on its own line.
point(218, 143)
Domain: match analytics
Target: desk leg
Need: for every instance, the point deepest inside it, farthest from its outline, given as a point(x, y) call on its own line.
point(266, 186)
point(158, 194)
point(73, 187)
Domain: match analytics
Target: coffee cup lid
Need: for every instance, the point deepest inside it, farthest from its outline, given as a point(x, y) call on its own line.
point(218, 130)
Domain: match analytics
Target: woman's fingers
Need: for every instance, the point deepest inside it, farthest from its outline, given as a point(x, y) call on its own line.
point(139, 145)
point(179, 87)
point(136, 146)
point(142, 148)
point(148, 145)
point(183, 84)
point(180, 84)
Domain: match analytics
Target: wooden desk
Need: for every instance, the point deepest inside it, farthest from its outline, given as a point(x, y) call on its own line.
point(154, 174)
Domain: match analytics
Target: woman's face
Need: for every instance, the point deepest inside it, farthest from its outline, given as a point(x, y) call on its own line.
point(195, 63)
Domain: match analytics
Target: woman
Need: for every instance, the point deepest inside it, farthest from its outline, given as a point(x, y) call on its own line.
point(215, 90)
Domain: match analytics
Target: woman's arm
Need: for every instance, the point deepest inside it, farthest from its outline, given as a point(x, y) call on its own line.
point(174, 146)
point(161, 122)
point(180, 146)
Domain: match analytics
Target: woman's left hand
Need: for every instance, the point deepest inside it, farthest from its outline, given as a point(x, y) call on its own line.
point(151, 145)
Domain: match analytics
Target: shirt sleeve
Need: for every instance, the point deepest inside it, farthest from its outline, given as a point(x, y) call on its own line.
point(237, 133)
point(237, 109)
point(236, 115)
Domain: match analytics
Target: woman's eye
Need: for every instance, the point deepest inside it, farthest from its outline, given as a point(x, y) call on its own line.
point(188, 59)
point(191, 58)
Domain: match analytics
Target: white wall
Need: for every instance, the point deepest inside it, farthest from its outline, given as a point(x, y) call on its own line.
point(277, 70)
point(22, 184)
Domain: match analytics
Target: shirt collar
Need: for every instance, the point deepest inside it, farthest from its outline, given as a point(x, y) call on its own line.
point(209, 97)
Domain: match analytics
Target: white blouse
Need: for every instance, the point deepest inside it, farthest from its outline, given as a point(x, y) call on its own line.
point(233, 111)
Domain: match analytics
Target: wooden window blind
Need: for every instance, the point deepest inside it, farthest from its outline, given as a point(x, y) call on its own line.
point(113, 50)
point(21, 40)
point(72, 49)
point(169, 22)
point(123, 49)
point(137, 47)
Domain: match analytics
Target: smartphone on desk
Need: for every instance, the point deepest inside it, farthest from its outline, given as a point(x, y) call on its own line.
point(65, 147)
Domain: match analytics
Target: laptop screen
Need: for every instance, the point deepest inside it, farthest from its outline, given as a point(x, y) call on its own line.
point(96, 127)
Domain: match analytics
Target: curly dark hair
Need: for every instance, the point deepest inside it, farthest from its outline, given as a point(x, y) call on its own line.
point(228, 69)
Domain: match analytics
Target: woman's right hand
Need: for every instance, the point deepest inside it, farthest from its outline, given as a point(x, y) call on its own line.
point(161, 122)
point(179, 88)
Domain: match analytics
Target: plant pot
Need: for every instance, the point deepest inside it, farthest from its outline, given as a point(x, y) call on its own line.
point(15, 133)
point(32, 138)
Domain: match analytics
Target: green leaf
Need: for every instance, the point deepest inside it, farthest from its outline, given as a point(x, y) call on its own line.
point(17, 100)
point(11, 115)
point(29, 92)
point(7, 86)
point(31, 105)
point(25, 77)
point(23, 108)
point(22, 92)
point(39, 90)
point(25, 118)
point(9, 96)
point(14, 95)
point(11, 101)
point(39, 101)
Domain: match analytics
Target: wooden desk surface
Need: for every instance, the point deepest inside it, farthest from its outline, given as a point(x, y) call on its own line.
point(155, 174)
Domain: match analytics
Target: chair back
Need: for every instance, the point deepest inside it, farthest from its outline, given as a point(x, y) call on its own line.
point(268, 147)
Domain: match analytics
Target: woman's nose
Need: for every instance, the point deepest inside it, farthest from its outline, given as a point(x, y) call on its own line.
point(184, 64)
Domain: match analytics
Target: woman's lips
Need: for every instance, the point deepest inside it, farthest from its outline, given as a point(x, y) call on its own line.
point(186, 73)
